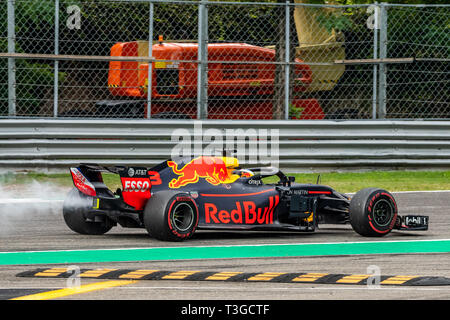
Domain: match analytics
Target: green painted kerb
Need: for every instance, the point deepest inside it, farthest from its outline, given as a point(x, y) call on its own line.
point(220, 252)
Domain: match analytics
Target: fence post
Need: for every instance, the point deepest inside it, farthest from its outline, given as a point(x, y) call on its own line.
point(56, 66)
point(382, 66)
point(150, 63)
point(376, 27)
point(202, 57)
point(11, 61)
point(287, 61)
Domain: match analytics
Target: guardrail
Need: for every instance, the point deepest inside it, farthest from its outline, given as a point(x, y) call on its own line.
point(54, 145)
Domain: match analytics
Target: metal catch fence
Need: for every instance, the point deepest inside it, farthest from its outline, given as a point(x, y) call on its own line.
point(223, 60)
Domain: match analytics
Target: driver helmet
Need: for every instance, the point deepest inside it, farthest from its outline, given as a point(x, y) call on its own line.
point(246, 173)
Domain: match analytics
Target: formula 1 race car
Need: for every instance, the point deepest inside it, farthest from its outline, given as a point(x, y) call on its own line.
point(174, 199)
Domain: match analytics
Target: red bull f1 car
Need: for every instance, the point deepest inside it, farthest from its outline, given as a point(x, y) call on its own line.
point(175, 198)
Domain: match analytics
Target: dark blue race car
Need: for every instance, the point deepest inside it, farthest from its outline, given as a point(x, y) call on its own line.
point(175, 198)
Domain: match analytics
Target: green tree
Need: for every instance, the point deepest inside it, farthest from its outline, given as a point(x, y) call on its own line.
point(33, 78)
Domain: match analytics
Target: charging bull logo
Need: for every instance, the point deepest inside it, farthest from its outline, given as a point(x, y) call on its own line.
point(213, 169)
point(245, 212)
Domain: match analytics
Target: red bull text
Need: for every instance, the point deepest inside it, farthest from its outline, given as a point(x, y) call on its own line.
point(245, 212)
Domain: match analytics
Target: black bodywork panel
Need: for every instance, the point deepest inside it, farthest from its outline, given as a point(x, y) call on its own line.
point(246, 203)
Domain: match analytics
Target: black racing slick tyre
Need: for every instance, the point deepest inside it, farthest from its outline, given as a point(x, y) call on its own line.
point(170, 217)
point(76, 206)
point(373, 212)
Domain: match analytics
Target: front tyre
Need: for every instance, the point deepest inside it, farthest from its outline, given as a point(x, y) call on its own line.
point(171, 217)
point(373, 212)
point(75, 208)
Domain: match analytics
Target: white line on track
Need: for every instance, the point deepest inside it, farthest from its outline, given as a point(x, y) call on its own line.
point(422, 191)
point(233, 245)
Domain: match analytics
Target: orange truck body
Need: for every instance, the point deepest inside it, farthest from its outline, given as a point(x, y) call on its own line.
point(234, 70)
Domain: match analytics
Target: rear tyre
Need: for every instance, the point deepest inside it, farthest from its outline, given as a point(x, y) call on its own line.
point(75, 209)
point(373, 212)
point(171, 217)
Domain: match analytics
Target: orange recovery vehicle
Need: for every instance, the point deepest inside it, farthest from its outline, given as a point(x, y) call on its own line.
point(241, 80)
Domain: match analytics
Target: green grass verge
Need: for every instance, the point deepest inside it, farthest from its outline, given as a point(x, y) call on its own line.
point(344, 182)
point(389, 180)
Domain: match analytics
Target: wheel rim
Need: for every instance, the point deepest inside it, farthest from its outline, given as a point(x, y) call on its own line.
point(182, 217)
point(382, 212)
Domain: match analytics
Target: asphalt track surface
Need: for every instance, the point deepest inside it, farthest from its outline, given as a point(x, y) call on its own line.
point(41, 228)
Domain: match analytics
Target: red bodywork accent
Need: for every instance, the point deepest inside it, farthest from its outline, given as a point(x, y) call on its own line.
point(136, 191)
point(319, 192)
point(82, 183)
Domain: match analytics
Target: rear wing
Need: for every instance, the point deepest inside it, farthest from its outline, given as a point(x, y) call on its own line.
point(136, 183)
point(97, 168)
point(87, 178)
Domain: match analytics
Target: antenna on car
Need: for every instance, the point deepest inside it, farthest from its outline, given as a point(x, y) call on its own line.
point(318, 179)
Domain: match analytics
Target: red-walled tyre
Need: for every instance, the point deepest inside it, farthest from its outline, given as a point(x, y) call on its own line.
point(373, 212)
point(170, 217)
